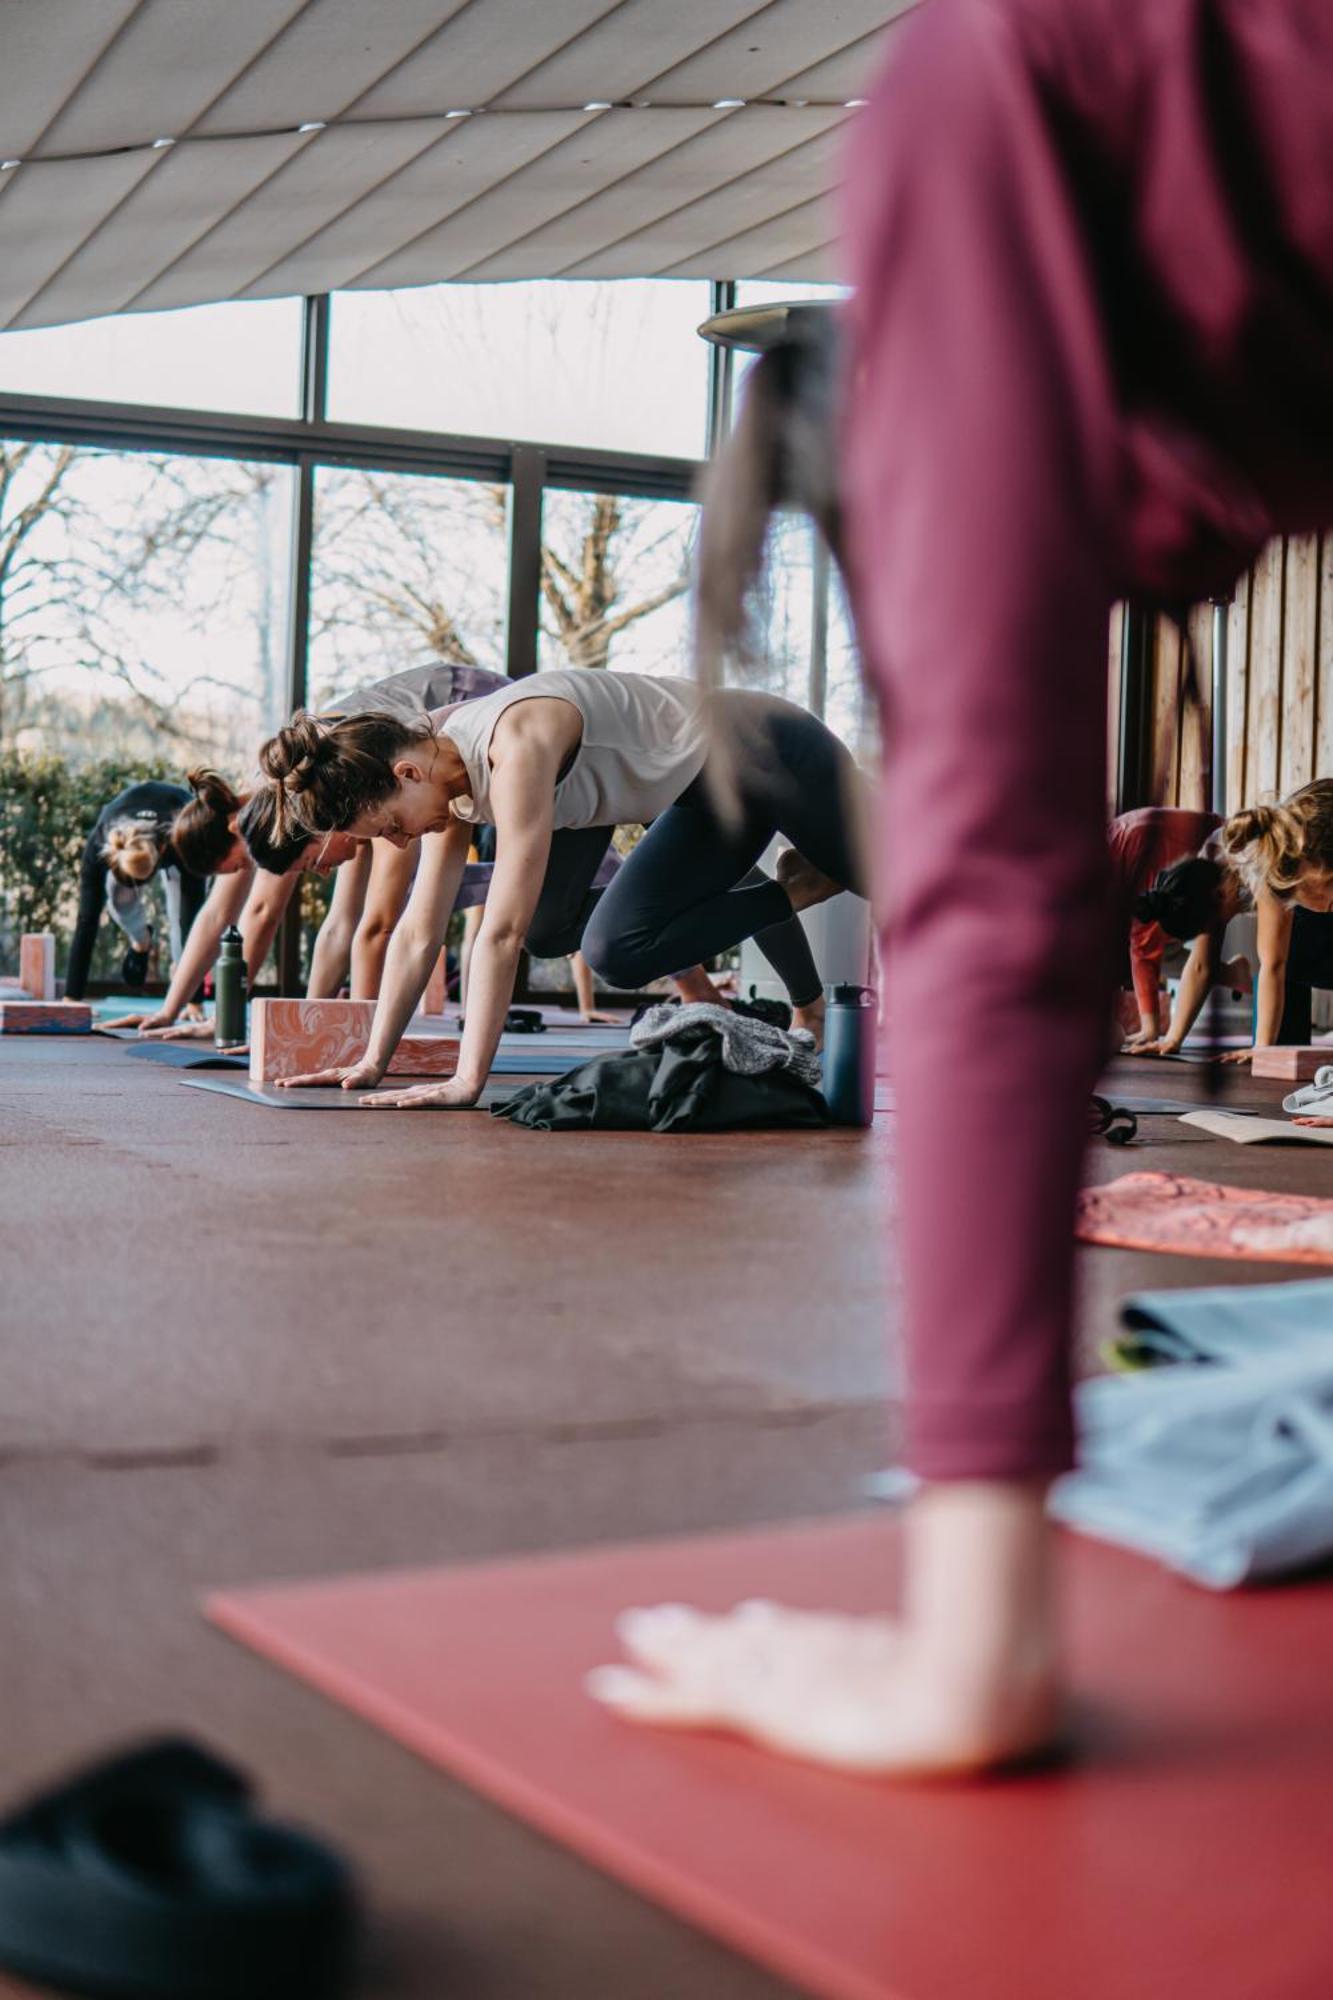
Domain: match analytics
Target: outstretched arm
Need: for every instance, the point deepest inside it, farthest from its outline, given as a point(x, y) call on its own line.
point(1274, 944)
point(332, 954)
point(413, 950)
point(226, 900)
point(391, 872)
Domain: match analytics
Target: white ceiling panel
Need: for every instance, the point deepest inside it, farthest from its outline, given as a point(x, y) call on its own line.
point(382, 190)
point(705, 167)
point(608, 148)
point(45, 52)
point(48, 211)
point(309, 185)
point(168, 63)
point(482, 52)
point(618, 57)
point(472, 156)
point(742, 204)
point(760, 56)
point(328, 58)
point(163, 215)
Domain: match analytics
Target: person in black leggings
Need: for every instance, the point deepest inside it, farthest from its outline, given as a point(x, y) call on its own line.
point(691, 888)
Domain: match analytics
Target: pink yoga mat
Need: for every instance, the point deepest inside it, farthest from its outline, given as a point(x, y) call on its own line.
point(1184, 1851)
point(1205, 1219)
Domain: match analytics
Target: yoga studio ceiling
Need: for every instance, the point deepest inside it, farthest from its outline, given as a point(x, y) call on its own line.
point(161, 153)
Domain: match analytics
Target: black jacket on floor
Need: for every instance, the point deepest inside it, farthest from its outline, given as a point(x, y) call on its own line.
point(683, 1087)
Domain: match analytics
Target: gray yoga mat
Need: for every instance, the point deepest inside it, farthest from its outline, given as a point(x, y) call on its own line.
point(186, 1055)
point(317, 1100)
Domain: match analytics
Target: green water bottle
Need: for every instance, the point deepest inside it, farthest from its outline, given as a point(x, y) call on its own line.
point(229, 991)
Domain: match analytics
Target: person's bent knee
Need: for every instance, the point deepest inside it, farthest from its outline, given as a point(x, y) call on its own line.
point(618, 961)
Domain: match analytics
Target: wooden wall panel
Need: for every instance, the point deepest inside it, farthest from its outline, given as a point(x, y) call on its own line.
point(1300, 632)
point(1279, 680)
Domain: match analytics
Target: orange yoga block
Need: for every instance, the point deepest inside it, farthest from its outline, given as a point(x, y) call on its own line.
point(291, 1037)
point(45, 1017)
point(37, 965)
point(1291, 1064)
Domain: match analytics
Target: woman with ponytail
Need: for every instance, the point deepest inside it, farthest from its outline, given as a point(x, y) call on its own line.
point(1171, 883)
point(1284, 855)
point(555, 762)
point(132, 844)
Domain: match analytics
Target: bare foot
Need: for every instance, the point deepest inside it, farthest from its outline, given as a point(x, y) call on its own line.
point(968, 1679)
point(805, 884)
point(811, 1018)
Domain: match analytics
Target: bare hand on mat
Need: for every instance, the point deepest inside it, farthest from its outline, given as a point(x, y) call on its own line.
point(1160, 1045)
point(1238, 1055)
point(352, 1076)
point(595, 1019)
point(180, 1031)
point(1322, 1123)
point(450, 1096)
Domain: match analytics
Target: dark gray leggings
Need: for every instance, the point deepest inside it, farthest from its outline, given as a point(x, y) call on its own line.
point(691, 888)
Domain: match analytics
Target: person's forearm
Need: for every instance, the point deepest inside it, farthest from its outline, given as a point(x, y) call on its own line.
point(1147, 993)
point(260, 919)
point(201, 948)
point(1271, 1001)
point(584, 990)
point(490, 990)
point(370, 950)
point(412, 952)
point(329, 960)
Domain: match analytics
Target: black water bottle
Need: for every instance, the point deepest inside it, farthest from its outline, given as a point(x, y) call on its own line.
point(229, 991)
point(849, 1053)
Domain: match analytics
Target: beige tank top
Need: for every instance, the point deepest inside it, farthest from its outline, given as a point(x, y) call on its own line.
point(643, 742)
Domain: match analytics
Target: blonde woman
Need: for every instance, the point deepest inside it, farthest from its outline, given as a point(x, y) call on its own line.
point(1284, 855)
point(130, 846)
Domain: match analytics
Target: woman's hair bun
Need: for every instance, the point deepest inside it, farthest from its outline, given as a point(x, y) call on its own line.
point(291, 757)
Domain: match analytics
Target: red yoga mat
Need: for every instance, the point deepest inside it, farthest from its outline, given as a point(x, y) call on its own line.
point(1183, 1850)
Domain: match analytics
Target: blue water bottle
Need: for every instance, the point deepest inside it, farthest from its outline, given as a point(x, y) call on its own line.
point(849, 1053)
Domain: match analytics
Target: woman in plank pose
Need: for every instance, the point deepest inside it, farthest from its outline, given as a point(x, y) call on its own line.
point(131, 845)
point(1091, 357)
point(576, 753)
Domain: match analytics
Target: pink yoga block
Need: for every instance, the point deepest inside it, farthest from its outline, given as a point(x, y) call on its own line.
point(292, 1037)
point(45, 1017)
point(1290, 1064)
point(37, 965)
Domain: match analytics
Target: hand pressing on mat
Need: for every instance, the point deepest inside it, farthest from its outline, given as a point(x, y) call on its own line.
point(963, 1681)
point(351, 1076)
point(1239, 1055)
point(181, 1031)
point(1322, 1124)
point(450, 1096)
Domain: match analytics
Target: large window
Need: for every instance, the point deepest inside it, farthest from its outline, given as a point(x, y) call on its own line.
point(615, 367)
point(615, 578)
point(404, 569)
point(244, 357)
point(143, 603)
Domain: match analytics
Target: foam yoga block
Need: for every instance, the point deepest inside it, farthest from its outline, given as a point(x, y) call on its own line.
point(45, 1017)
point(37, 965)
point(1290, 1064)
point(291, 1037)
point(1115, 1875)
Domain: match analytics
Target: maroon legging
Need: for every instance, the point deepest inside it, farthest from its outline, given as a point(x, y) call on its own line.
point(1093, 354)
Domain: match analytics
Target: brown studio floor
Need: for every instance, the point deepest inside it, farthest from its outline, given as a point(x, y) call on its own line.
point(241, 1344)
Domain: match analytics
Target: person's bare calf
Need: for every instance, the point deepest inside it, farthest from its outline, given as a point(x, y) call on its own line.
point(965, 1679)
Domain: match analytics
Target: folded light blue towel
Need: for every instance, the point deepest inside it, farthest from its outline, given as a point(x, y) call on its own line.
point(1223, 1472)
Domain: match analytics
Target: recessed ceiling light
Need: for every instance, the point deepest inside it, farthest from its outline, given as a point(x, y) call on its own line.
point(458, 114)
point(729, 104)
point(313, 125)
point(160, 145)
point(5, 165)
point(599, 104)
point(855, 103)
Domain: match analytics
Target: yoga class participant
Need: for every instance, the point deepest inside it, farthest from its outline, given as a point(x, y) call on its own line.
point(1091, 357)
point(371, 884)
point(574, 754)
point(1284, 853)
point(129, 847)
point(1161, 880)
